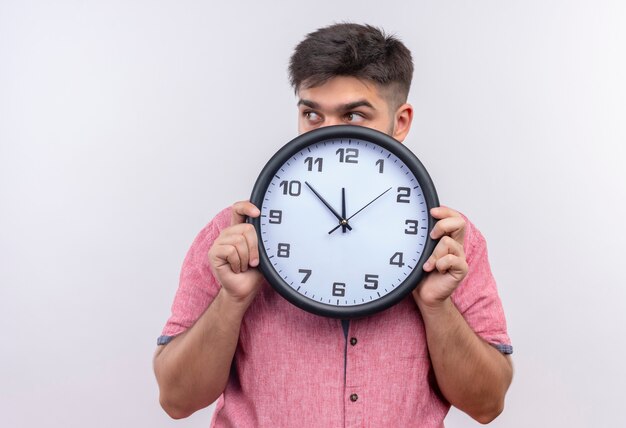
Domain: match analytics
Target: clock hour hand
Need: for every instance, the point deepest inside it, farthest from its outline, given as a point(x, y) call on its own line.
point(367, 205)
point(342, 220)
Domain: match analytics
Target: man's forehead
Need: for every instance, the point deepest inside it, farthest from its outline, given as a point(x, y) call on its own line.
point(340, 92)
point(351, 82)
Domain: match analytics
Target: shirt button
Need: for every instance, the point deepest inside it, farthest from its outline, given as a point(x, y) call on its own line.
point(353, 341)
point(354, 397)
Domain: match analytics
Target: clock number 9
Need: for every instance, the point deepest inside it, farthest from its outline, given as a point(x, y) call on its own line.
point(339, 289)
point(276, 216)
point(403, 195)
point(348, 155)
point(372, 280)
point(292, 187)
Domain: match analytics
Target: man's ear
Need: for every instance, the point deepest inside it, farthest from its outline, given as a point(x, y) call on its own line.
point(402, 121)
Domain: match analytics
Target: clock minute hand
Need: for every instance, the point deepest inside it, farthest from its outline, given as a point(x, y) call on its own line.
point(367, 205)
point(343, 210)
point(342, 221)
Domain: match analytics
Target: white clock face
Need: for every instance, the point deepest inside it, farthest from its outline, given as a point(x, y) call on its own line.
point(382, 242)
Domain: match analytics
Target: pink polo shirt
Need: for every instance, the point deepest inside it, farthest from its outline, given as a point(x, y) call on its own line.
point(295, 369)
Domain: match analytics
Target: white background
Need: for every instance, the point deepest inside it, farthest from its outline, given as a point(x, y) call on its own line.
point(126, 125)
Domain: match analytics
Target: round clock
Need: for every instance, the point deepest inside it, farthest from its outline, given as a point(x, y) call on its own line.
point(344, 226)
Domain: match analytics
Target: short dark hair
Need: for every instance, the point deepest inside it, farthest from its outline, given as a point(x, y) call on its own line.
point(360, 51)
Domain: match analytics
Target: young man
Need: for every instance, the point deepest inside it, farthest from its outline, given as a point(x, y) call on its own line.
point(271, 364)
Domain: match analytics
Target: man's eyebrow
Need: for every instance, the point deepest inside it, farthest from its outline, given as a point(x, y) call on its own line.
point(340, 108)
point(308, 103)
point(355, 104)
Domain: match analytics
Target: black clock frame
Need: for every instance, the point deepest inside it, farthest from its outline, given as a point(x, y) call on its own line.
point(337, 132)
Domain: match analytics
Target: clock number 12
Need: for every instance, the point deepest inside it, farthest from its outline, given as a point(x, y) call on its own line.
point(348, 155)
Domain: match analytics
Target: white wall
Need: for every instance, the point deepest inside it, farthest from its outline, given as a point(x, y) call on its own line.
point(126, 125)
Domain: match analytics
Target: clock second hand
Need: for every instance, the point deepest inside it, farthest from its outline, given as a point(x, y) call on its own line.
point(342, 220)
point(367, 205)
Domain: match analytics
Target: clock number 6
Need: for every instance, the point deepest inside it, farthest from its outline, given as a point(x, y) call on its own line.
point(371, 282)
point(339, 289)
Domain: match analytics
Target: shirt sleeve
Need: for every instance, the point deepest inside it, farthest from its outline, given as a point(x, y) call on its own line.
point(197, 287)
point(477, 296)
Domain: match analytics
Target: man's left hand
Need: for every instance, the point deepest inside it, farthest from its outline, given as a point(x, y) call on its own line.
point(446, 267)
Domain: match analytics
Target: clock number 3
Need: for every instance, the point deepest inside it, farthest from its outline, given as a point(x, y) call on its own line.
point(411, 227)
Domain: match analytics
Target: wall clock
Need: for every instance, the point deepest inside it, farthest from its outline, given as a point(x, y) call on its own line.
point(344, 226)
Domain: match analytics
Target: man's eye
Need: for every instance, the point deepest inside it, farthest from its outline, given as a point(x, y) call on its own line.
point(312, 116)
point(354, 117)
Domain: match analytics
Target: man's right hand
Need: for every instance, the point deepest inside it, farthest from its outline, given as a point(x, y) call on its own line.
point(234, 255)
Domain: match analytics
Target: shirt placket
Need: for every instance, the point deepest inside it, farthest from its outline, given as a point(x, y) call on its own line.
point(354, 392)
